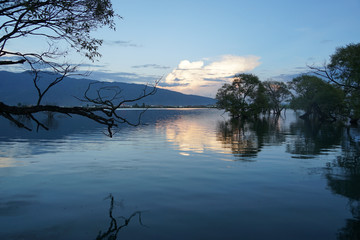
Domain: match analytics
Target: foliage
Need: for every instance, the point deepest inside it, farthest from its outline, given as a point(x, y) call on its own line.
point(317, 98)
point(344, 66)
point(344, 71)
point(68, 20)
point(59, 21)
point(244, 98)
point(278, 95)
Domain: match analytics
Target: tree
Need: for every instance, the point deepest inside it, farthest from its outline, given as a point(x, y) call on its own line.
point(317, 98)
point(344, 71)
point(55, 20)
point(278, 95)
point(58, 22)
point(244, 98)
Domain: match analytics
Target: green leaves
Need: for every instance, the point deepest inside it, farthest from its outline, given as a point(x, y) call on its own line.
point(67, 20)
point(278, 94)
point(345, 65)
point(317, 97)
point(243, 98)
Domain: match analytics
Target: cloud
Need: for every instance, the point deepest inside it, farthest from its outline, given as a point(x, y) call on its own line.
point(156, 66)
point(288, 77)
point(204, 78)
point(122, 43)
point(123, 77)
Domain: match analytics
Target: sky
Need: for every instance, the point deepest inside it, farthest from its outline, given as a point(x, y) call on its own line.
point(195, 46)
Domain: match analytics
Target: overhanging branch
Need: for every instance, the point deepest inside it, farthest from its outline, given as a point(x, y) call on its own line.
point(12, 62)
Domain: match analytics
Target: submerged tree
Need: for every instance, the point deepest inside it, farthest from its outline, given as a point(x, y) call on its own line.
point(317, 98)
point(344, 72)
point(244, 98)
point(278, 95)
point(58, 22)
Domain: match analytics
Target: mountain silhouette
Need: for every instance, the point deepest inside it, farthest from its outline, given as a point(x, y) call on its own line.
point(18, 88)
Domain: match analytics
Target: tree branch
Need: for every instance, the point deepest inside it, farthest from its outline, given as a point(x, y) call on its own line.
point(12, 62)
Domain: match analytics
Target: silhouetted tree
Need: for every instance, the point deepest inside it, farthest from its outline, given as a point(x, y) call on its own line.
point(317, 98)
point(278, 95)
point(58, 22)
point(244, 98)
point(344, 71)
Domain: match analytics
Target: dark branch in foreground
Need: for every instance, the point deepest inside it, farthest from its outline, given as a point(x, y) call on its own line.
point(104, 110)
point(12, 62)
point(69, 22)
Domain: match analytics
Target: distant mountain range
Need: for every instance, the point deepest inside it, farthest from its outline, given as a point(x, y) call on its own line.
point(18, 88)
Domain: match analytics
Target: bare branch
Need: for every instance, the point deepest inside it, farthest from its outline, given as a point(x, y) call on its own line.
point(69, 21)
point(103, 112)
point(12, 62)
point(328, 74)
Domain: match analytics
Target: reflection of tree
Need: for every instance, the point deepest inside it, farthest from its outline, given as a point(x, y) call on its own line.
point(343, 177)
point(114, 226)
point(246, 138)
point(311, 138)
point(343, 174)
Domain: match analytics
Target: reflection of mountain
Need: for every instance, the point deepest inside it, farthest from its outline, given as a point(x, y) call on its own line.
point(310, 139)
point(246, 138)
point(65, 134)
point(183, 127)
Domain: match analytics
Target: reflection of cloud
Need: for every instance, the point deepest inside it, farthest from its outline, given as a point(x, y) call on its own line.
point(7, 162)
point(204, 79)
point(190, 134)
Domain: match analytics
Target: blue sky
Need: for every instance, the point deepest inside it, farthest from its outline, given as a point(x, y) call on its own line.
point(196, 46)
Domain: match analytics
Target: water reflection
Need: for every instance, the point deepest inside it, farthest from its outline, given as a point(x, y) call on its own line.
point(65, 134)
point(246, 138)
point(189, 133)
point(133, 161)
point(115, 226)
point(6, 162)
point(343, 176)
point(311, 138)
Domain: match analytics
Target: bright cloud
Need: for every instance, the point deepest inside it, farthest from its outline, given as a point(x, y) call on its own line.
point(204, 79)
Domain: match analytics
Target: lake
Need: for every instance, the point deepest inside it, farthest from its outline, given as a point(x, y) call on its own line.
point(183, 174)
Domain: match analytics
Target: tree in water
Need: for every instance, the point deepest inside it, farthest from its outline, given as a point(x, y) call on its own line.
point(244, 98)
point(59, 22)
point(278, 95)
point(344, 72)
point(317, 98)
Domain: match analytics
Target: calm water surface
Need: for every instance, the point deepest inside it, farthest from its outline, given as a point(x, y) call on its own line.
point(186, 174)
